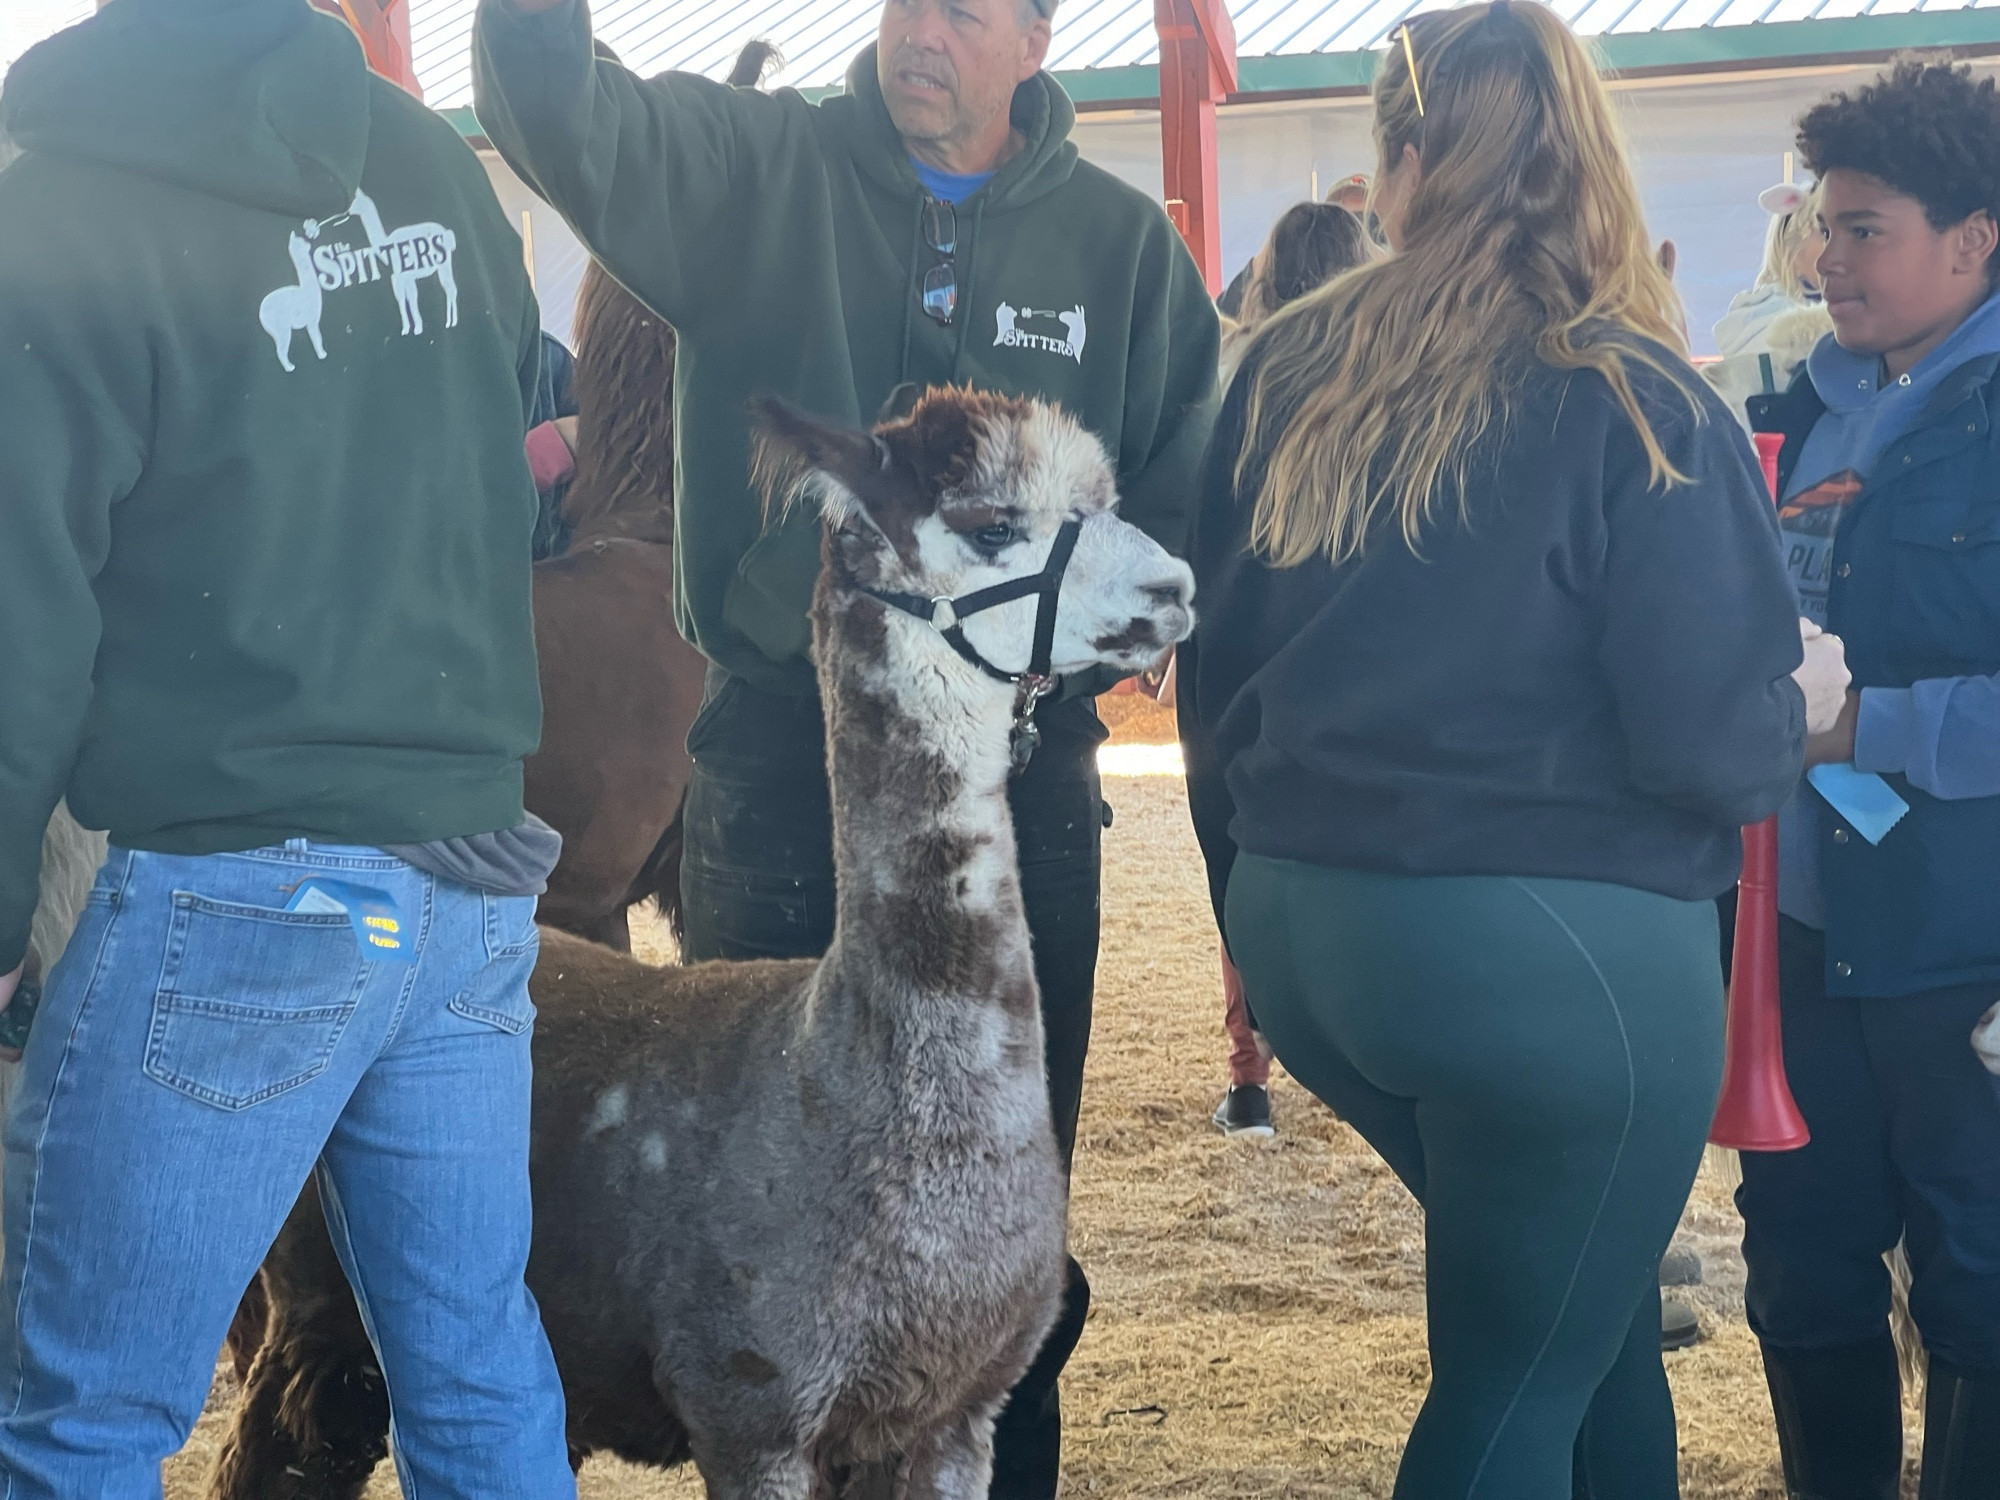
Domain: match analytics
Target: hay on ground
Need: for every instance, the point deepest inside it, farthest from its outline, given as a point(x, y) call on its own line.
point(1257, 1328)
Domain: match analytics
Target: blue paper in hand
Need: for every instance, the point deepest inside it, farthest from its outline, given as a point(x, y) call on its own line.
point(1868, 803)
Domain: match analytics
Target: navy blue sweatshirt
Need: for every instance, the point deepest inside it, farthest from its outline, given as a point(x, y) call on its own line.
point(1585, 677)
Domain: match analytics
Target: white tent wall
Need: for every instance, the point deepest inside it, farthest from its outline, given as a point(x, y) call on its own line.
point(559, 258)
point(1705, 148)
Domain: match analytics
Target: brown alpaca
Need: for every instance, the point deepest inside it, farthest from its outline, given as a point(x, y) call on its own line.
point(791, 1218)
point(620, 685)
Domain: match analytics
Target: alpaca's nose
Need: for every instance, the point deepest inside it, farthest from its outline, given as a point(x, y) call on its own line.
point(1174, 590)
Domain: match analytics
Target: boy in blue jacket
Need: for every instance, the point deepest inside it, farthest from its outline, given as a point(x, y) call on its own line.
point(1890, 880)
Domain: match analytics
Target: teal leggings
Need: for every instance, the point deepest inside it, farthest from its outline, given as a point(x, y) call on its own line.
point(1538, 1060)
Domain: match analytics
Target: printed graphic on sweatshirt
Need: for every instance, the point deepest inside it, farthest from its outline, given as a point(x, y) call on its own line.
point(405, 258)
point(1808, 522)
point(1012, 335)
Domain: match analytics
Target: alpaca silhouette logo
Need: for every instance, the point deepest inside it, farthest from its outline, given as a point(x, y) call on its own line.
point(1011, 335)
point(405, 258)
point(412, 253)
point(291, 308)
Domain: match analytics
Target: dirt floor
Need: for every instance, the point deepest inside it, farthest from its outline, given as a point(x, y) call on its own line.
point(1258, 1323)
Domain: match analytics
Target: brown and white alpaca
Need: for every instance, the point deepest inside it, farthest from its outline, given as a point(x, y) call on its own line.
point(792, 1218)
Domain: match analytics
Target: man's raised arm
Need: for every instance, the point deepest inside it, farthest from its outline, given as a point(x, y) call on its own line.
point(660, 178)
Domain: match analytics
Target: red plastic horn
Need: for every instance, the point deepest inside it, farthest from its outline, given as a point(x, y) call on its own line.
point(1757, 1111)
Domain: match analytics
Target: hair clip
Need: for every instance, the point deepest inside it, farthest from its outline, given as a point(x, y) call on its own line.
point(1410, 58)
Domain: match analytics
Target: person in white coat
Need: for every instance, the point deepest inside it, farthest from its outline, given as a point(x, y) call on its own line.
point(1769, 330)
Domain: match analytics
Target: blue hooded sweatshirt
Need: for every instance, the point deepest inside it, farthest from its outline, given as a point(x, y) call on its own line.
point(1944, 734)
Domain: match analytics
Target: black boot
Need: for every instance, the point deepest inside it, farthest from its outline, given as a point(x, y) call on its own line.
point(1840, 1419)
point(1961, 1436)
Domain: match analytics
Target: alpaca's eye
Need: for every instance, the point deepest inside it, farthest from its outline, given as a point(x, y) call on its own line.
point(993, 538)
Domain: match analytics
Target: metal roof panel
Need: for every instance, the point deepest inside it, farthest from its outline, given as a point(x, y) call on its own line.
point(820, 37)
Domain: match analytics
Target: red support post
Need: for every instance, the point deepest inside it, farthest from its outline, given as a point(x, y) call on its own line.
point(384, 29)
point(1197, 72)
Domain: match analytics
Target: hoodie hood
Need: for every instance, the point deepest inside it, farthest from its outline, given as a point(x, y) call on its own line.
point(1863, 416)
point(1041, 112)
point(261, 102)
point(1847, 382)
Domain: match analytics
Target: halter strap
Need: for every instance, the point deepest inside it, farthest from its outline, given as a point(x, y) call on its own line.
point(947, 617)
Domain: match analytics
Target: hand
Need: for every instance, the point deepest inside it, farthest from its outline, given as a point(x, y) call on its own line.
point(1986, 1039)
point(566, 426)
point(1836, 745)
point(1823, 677)
point(9, 983)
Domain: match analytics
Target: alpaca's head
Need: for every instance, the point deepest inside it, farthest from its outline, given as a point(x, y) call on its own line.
point(970, 490)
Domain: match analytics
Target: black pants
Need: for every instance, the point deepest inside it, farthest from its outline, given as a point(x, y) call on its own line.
point(757, 881)
point(1905, 1144)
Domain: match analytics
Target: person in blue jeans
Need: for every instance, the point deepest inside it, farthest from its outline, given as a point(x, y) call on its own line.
point(1889, 884)
point(268, 348)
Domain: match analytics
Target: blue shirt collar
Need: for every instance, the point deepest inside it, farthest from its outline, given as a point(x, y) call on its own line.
point(949, 187)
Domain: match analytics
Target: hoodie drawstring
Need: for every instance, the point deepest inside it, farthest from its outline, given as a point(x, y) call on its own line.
point(965, 286)
point(910, 293)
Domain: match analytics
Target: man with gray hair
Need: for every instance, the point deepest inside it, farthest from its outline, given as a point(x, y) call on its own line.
point(931, 225)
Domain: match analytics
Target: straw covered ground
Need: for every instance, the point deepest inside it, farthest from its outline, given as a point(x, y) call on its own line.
point(1258, 1320)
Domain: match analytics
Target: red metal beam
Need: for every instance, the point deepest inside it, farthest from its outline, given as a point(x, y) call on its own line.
point(1197, 71)
point(384, 29)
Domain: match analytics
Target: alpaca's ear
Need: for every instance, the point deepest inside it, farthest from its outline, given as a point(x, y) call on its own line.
point(791, 446)
point(938, 440)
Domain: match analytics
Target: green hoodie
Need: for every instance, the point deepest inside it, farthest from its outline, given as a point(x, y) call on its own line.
point(784, 241)
point(249, 590)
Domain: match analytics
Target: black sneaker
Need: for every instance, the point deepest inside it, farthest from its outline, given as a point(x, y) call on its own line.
point(1680, 1266)
point(1679, 1327)
point(1245, 1110)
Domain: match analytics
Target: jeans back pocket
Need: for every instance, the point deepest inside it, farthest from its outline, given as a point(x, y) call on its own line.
point(251, 1001)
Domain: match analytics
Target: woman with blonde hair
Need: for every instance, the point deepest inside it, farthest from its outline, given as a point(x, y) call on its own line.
point(1497, 654)
point(1769, 330)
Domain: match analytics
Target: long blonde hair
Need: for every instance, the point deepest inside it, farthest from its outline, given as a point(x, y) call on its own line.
point(1523, 239)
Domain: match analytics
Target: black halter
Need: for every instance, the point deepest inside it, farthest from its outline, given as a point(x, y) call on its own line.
point(1034, 684)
